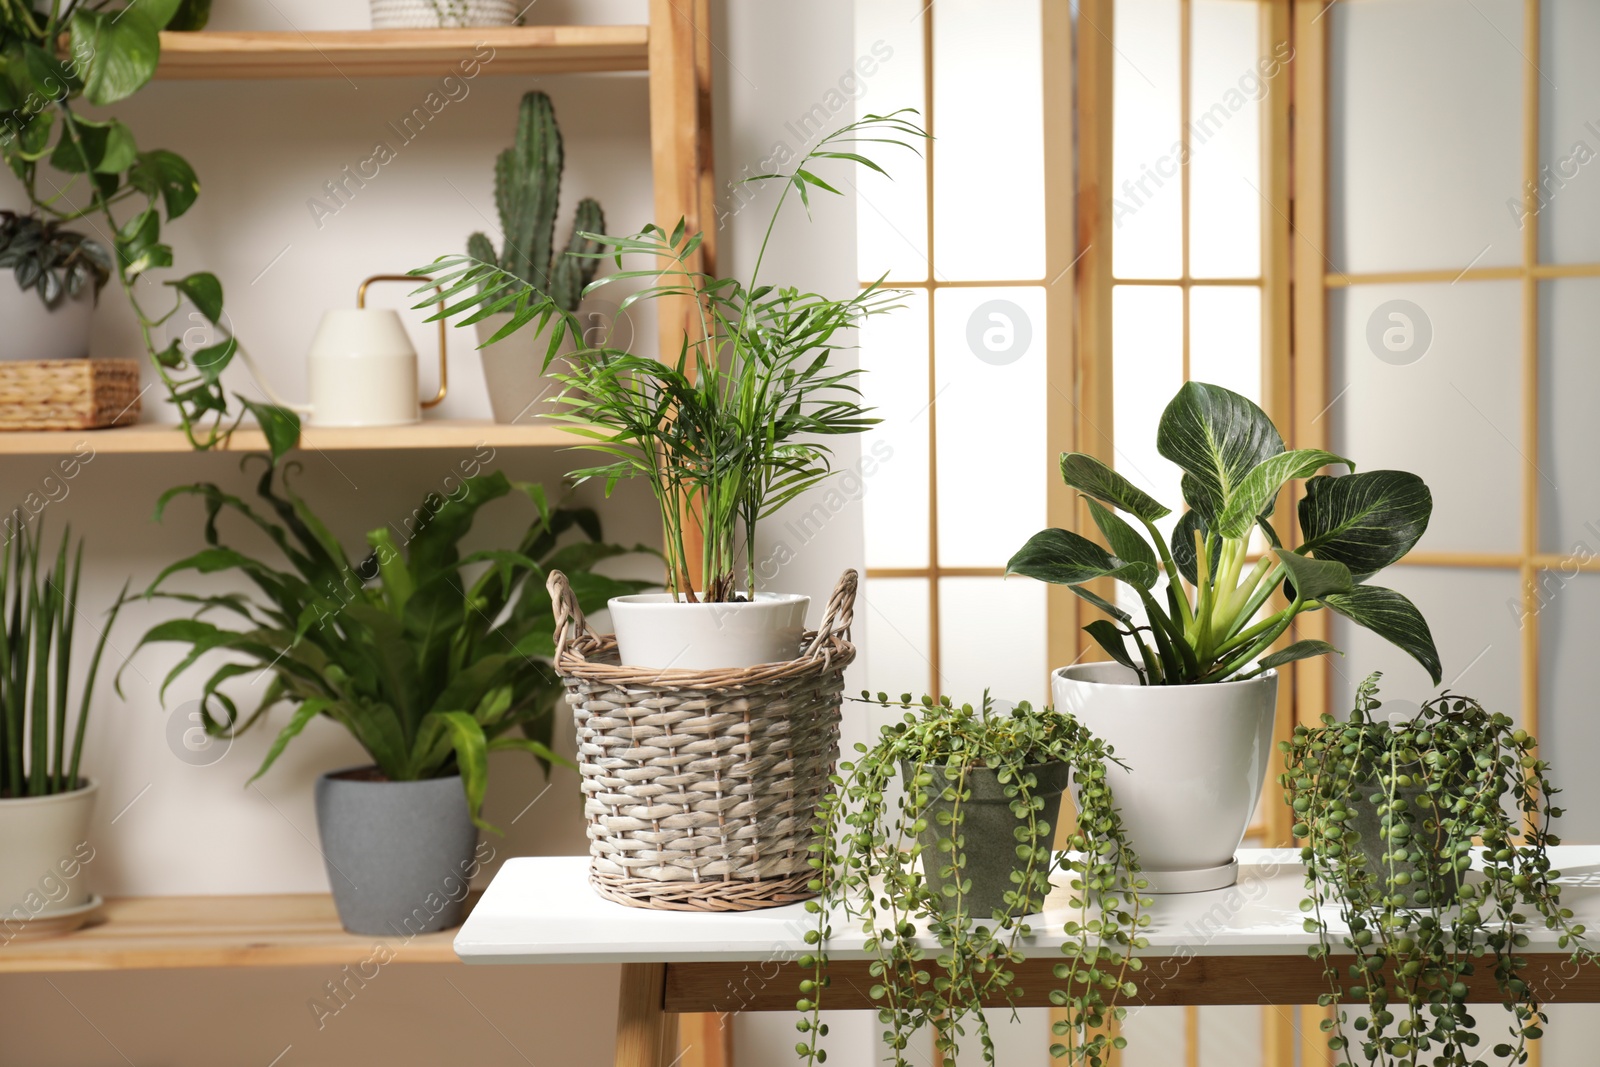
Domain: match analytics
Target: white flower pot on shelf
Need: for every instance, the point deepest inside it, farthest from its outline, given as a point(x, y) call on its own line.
point(1196, 758)
point(33, 331)
point(44, 849)
point(520, 391)
point(658, 632)
point(434, 14)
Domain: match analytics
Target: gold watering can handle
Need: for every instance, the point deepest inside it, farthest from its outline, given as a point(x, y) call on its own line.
point(444, 370)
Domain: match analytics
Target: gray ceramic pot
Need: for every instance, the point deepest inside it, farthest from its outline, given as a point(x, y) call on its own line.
point(398, 853)
point(989, 827)
point(1422, 851)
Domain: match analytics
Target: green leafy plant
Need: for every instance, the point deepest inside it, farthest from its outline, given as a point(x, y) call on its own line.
point(73, 167)
point(40, 749)
point(737, 424)
point(527, 193)
point(54, 262)
point(1392, 814)
point(428, 667)
point(1234, 466)
point(870, 868)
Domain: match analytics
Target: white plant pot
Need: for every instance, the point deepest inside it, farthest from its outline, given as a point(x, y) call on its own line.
point(1196, 757)
point(519, 390)
point(44, 845)
point(433, 14)
point(33, 331)
point(658, 632)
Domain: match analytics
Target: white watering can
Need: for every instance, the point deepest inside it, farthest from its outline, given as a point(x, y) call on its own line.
point(362, 368)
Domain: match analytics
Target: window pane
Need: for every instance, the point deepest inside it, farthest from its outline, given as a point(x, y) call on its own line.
point(992, 635)
point(1225, 140)
point(1569, 410)
point(1569, 192)
point(1147, 205)
point(1225, 337)
point(988, 161)
point(1424, 145)
point(1230, 1036)
point(1147, 369)
point(1426, 378)
point(894, 351)
point(1472, 613)
point(1155, 1037)
point(892, 212)
point(1568, 606)
point(994, 459)
point(895, 631)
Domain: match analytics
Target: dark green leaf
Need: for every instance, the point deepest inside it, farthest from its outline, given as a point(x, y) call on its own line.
point(1256, 494)
point(1217, 437)
point(1065, 558)
point(166, 175)
point(1314, 578)
point(204, 292)
point(1109, 637)
point(1126, 542)
point(1093, 478)
point(191, 16)
point(122, 49)
point(1183, 550)
point(1365, 521)
point(1298, 650)
point(280, 426)
point(1392, 617)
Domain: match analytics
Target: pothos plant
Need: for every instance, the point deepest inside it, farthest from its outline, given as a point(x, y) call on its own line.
point(74, 168)
point(736, 423)
point(1234, 466)
point(870, 860)
point(1392, 815)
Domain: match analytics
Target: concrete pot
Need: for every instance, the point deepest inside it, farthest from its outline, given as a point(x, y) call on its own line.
point(1422, 859)
point(654, 630)
point(398, 853)
point(44, 845)
point(33, 331)
point(519, 390)
point(990, 829)
point(1196, 758)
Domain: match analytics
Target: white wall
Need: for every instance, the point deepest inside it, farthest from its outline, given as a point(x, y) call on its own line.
point(262, 149)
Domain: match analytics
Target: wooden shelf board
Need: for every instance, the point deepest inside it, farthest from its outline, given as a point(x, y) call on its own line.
point(400, 53)
point(289, 930)
point(157, 437)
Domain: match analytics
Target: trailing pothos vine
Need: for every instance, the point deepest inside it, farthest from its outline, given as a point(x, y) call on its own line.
point(935, 962)
point(74, 168)
point(1392, 814)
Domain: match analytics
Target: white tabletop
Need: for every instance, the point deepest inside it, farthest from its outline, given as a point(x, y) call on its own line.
point(542, 910)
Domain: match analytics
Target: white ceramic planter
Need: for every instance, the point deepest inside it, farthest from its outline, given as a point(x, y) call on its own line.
point(1196, 756)
point(431, 14)
point(33, 331)
point(656, 631)
point(44, 844)
point(519, 390)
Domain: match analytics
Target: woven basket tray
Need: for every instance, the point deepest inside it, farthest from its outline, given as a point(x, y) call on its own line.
point(68, 394)
point(701, 787)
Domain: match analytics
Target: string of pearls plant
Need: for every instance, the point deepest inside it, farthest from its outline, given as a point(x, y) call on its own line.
point(1392, 814)
point(870, 861)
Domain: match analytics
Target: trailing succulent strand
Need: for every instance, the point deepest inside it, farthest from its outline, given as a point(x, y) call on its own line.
point(869, 863)
point(1431, 793)
point(527, 193)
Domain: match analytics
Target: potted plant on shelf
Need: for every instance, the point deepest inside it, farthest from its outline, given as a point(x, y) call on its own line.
point(949, 875)
point(726, 431)
point(428, 669)
point(1188, 700)
point(55, 58)
point(435, 14)
point(1392, 815)
point(527, 191)
point(45, 801)
point(59, 275)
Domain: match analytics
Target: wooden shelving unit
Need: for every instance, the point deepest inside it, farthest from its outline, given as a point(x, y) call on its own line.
point(399, 53)
point(159, 438)
point(287, 930)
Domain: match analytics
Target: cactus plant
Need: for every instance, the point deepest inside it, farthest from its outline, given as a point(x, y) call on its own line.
point(527, 188)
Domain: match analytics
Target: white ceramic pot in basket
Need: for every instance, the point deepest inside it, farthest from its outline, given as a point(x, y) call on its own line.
point(659, 631)
point(1196, 757)
point(513, 370)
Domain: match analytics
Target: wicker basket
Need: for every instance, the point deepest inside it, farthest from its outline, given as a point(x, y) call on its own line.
point(68, 394)
point(701, 787)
